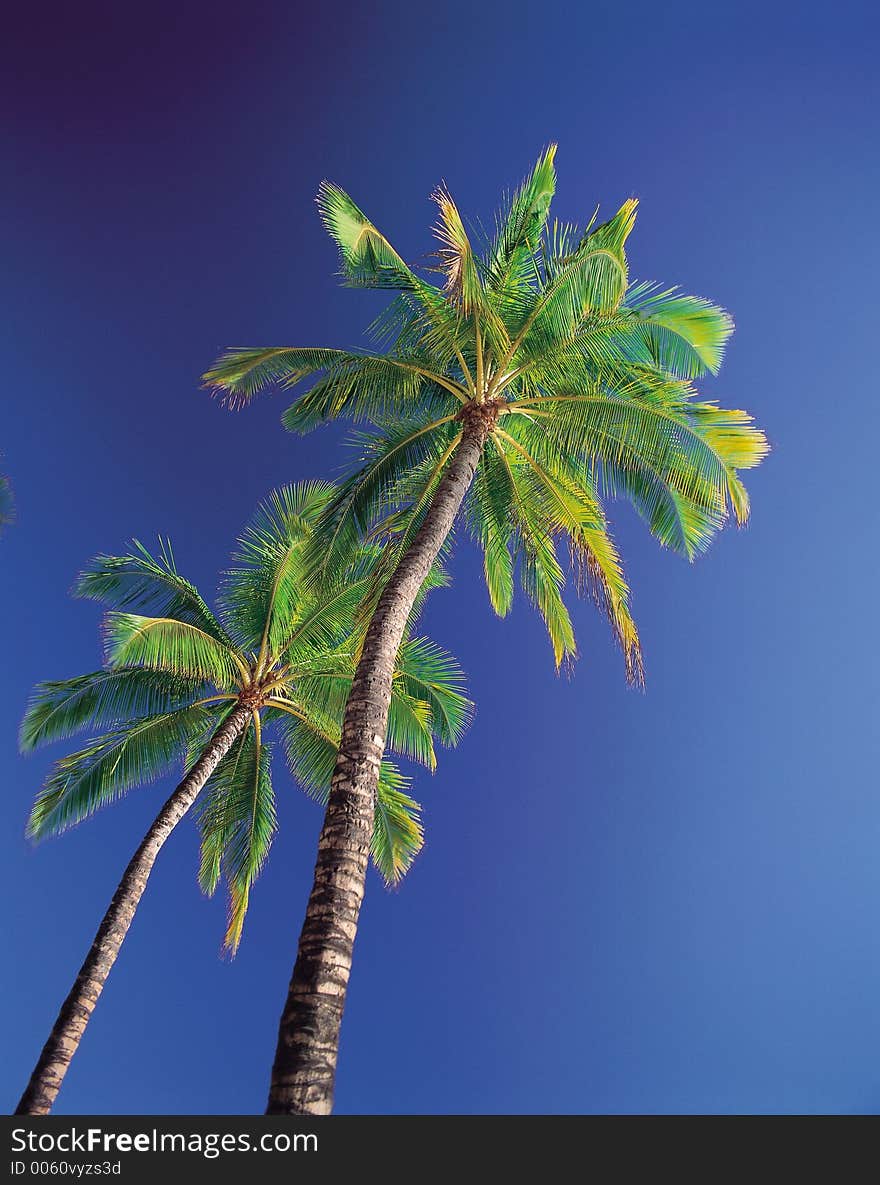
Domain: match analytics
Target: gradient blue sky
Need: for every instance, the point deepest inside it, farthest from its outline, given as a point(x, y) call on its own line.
point(656, 903)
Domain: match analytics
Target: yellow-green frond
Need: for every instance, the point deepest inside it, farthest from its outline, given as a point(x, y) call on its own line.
point(463, 284)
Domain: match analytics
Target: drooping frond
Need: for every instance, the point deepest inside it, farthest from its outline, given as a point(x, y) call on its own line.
point(376, 387)
point(409, 728)
point(132, 755)
point(541, 574)
point(491, 523)
point(100, 700)
point(431, 674)
point(543, 580)
point(210, 809)
point(428, 699)
point(397, 828)
point(310, 746)
point(237, 821)
point(240, 374)
point(600, 575)
point(149, 585)
point(679, 476)
point(732, 436)
point(683, 335)
point(309, 740)
point(560, 489)
point(167, 644)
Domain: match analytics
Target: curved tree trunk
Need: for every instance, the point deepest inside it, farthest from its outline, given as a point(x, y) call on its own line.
point(308, 1039)
point(77, 1009)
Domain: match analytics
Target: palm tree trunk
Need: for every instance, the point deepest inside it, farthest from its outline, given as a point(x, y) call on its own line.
point(308, 1039)
point(77, 1009)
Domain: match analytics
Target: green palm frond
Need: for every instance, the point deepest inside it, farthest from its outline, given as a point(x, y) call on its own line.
point(320, 699)
point(332, 615)
point(465, 291)
point(569, 504)
point(375, 388)
point(262, 595)
point(591, 282)
point(309, 740)
point(407, 501)
point(133, 754)
point(733, 437)
point(167, 644)
point(324, 695)
point(543, 580)
point(488, 510)
point(541, 574)
point(366, 256)
point(638, 438)
point(519, 229)
point(148, 584)
point(310, 746)
point(346, 382)
point(428, 698)
point(211, 810)
point(102, 699)
point(409, 728)
point(432, 675)
point(369, 261)
point(309, 721)
point(683, 335)
point(240, 374)
point(237, 821)
point(398, 835)
point(386, 457)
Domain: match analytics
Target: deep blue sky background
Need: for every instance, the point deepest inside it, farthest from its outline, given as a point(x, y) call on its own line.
point(665, 902)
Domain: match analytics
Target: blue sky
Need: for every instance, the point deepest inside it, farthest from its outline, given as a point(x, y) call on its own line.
point(659, 902)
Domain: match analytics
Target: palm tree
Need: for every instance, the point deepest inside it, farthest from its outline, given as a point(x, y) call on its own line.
point(529, 385)
point(184, 682)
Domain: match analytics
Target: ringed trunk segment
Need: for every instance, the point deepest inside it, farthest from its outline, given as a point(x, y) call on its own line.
point(77, 1009)
point(304, 1070)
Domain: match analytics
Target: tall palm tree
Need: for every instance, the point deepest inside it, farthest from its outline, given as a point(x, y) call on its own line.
point(182, 682)
point(530, 384)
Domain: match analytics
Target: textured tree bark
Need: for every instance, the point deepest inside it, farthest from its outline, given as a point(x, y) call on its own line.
point(308, 1039)
point(77, 1009)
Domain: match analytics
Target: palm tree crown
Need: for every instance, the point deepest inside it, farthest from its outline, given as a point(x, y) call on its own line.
point(582, 381)
point(176, 670)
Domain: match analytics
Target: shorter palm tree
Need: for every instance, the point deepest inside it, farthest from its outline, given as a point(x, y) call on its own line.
point(182, 682)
